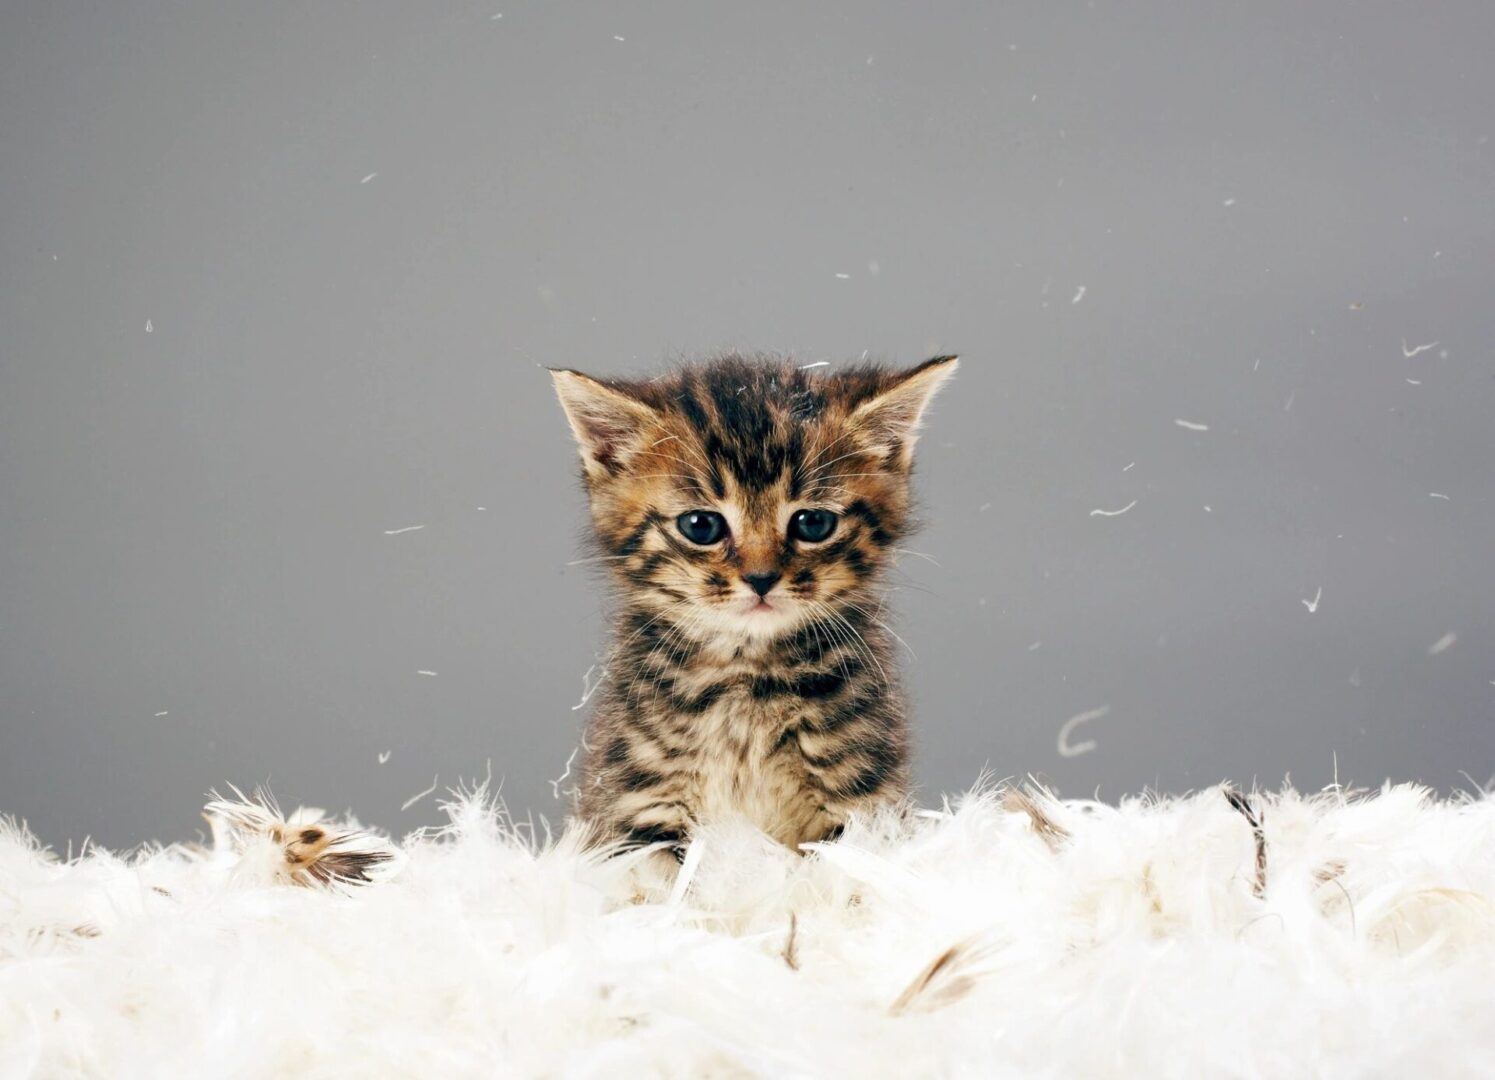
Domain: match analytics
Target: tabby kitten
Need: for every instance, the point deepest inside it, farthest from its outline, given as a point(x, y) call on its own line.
point(746, 509)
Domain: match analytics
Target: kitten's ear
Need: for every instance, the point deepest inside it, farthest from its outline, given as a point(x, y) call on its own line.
point(891, 419)
point(608, 423)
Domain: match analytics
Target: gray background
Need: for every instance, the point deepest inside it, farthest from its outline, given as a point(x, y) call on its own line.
point(278, 278)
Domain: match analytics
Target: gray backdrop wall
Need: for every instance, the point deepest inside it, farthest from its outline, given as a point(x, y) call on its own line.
point(277, 279)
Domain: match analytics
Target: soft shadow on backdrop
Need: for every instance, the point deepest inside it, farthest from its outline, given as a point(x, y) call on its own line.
point(276, 282)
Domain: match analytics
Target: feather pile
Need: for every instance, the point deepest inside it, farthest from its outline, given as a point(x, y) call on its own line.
point(1009, 933)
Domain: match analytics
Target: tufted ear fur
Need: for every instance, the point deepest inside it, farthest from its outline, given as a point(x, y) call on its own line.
point(891, 419)
point(608, 423)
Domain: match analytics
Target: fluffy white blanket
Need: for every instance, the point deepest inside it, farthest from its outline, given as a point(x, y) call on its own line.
point(1009, 934)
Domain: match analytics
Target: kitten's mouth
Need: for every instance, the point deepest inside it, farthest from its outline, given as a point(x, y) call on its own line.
point(761, 618)
point(758, 607)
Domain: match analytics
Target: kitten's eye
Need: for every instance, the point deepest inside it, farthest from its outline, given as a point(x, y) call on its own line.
point(701, 526)
point(811, 526)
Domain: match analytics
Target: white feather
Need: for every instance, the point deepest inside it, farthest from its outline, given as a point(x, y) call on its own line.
point(1127, 942)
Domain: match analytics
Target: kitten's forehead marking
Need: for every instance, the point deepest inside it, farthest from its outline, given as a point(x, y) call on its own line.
point(751, 511)
point(749, 419)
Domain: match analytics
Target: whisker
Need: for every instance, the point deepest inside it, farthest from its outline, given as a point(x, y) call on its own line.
point(919, 554)
point(826, 449)
point(694, 452)
point(825, 647)
point(871, 652)
point(837, 636)
point(678, 633)
point(888, 629)
point(858, 642)
point(643, 665)
point(629, 639)
point(842, 457)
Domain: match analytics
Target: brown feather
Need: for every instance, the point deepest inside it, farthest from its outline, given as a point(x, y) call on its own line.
point(944, 980)
point(1026, 800)
point(1256, 819)
point(314, 854)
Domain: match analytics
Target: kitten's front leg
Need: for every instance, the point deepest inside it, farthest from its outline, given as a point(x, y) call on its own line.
point(645, 835)
point(832, 834)
point(853, 763)
point(635, 818)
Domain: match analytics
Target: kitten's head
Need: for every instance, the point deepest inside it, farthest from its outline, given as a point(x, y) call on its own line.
point(741, 497)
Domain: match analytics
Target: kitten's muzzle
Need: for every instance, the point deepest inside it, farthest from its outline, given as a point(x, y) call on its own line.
point(761, 583)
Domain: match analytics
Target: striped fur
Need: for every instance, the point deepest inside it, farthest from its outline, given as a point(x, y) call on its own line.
point(784, 710)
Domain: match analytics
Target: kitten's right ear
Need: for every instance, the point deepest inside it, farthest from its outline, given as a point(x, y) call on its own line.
point(608, 423)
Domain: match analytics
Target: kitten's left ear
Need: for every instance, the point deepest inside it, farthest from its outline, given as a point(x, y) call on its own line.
point(608, 423)
point(891, 419)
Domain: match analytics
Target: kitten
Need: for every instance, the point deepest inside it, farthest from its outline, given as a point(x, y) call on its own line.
point(746, 509)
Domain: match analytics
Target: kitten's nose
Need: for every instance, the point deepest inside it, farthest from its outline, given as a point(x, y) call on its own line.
point(761, 583)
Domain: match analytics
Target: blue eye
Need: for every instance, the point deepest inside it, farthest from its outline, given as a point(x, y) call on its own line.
point(811, 526)
point(701, 526)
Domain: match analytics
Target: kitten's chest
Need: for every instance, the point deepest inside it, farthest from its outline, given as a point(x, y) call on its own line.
point(747, 764)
